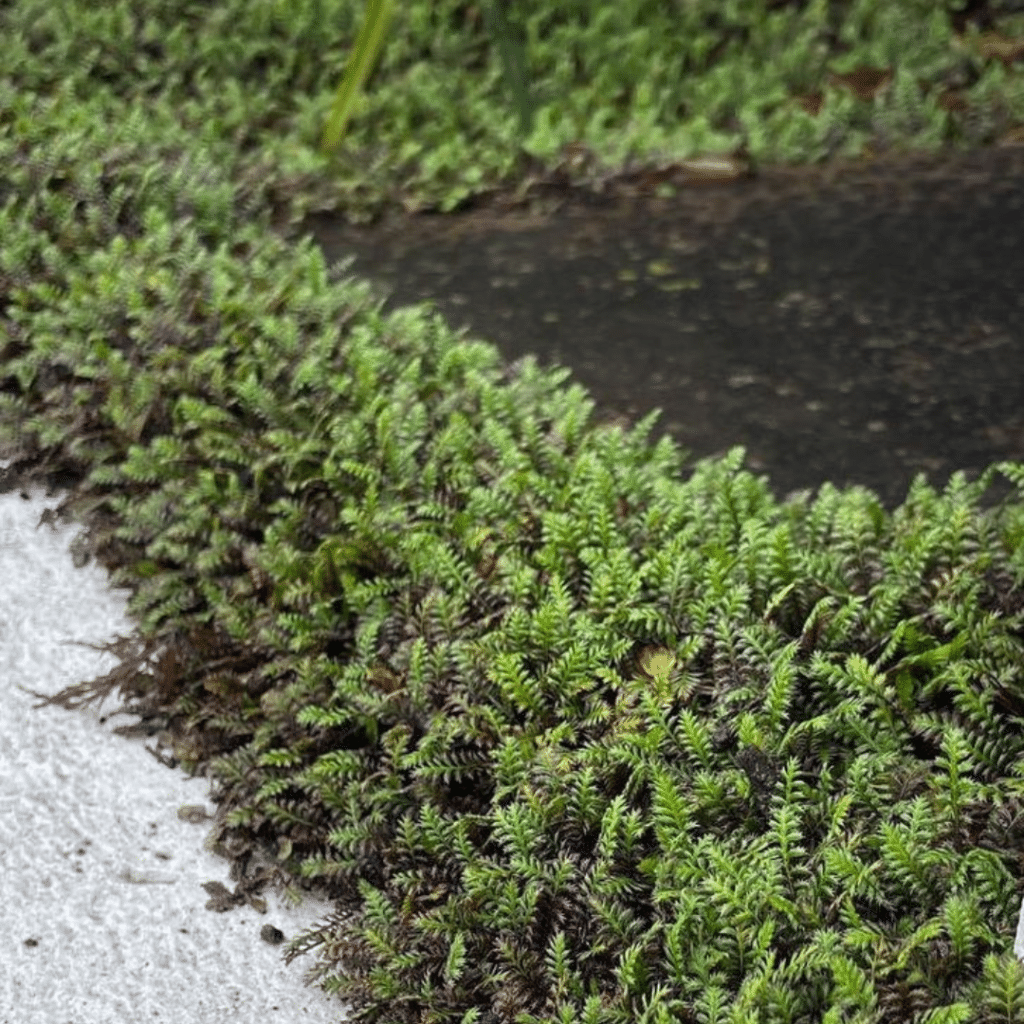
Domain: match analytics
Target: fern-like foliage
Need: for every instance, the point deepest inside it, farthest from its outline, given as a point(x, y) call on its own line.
point(564, 735)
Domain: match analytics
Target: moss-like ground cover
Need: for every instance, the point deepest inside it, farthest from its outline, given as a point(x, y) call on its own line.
point(568, 733)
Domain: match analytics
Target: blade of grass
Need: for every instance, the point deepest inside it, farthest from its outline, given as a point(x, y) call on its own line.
point(360, 62)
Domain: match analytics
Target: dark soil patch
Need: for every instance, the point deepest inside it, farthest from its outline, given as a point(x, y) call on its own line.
point(856, 323)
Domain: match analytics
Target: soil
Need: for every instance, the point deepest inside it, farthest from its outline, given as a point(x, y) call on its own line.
point(858, 323)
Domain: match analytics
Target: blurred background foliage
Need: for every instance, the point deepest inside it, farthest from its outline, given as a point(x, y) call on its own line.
point(465, 97)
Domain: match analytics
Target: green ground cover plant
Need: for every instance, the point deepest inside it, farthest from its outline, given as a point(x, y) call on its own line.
point(568, 730)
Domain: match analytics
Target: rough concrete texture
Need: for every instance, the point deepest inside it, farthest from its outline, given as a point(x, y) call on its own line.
point(103, 912)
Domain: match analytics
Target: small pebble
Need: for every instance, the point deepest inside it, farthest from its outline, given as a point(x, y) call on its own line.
point(192, 813)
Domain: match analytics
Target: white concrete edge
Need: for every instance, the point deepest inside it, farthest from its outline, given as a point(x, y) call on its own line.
point(104, 913)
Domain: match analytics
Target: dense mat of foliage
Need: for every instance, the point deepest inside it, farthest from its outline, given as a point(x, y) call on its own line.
point(566, 735)
point(644, 81)
point(569, 734)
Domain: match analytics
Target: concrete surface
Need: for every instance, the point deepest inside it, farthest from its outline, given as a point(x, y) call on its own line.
point(103, 915)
